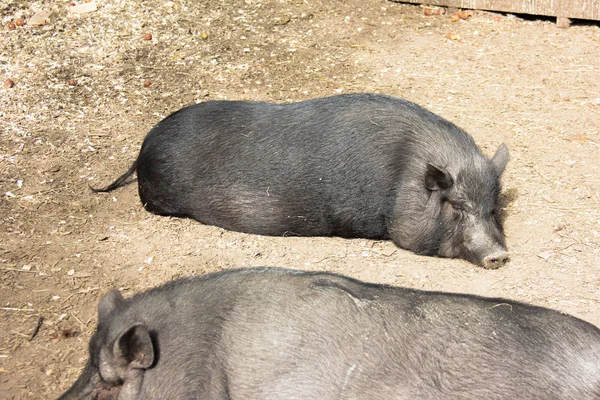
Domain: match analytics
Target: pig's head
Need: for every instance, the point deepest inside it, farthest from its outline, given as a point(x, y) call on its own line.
point(453, 211)
point(119, 355)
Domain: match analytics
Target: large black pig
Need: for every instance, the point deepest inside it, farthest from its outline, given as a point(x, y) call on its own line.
point(357, 165)
point(275, 334)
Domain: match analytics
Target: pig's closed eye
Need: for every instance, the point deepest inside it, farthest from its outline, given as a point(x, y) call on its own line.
point(459, 211)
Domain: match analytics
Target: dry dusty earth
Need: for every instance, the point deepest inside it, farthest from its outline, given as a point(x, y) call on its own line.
point(79, 109)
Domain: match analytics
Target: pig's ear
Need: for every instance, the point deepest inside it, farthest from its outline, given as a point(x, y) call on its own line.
point(109, 303)
point(437, 178)
point(134, 347)
point(500, 159)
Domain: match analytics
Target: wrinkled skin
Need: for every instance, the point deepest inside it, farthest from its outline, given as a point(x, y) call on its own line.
point(356, 165)
point(276, 334)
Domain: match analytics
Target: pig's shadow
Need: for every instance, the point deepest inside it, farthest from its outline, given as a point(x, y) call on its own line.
point(504, 201)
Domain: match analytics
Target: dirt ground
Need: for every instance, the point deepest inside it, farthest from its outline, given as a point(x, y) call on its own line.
point(79, 110)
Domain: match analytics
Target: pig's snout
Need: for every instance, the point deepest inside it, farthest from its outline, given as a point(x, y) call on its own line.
point(495, 260)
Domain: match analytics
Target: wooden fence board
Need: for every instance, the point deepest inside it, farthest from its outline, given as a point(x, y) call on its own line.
point(581, 9)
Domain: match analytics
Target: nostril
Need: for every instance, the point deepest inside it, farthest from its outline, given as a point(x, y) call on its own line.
point(495, 260)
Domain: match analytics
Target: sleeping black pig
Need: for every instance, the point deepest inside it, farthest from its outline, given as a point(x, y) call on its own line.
point(356, 165)
point(275, 334)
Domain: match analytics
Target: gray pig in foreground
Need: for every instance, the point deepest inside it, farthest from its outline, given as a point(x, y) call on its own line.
point(276, 334)
point(356, 165)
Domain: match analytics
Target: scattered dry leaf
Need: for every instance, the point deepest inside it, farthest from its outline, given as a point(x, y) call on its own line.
point(433, 10)
point(64, 333)
point(40, 18)
point(387, 252)
point(545, 254)
point(465, 14)
point(83, 8)
point(578, 137)
point(284, 20)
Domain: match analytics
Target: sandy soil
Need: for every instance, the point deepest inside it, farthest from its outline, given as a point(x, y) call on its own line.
point(79, 110)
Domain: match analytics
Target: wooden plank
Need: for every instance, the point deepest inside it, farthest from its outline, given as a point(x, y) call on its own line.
point(563, 22)
point(582, 9)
